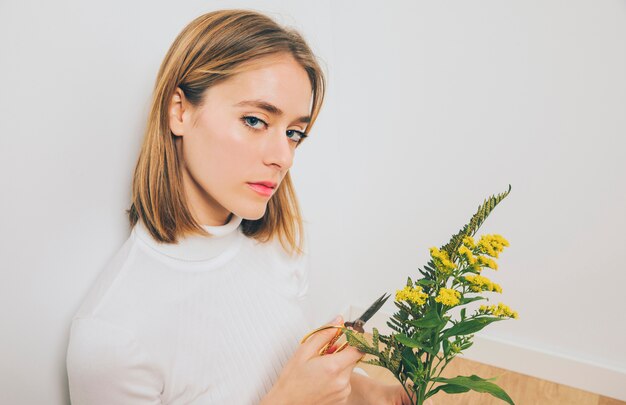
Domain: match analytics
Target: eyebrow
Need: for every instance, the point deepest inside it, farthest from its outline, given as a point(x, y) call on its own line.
point(270, 108)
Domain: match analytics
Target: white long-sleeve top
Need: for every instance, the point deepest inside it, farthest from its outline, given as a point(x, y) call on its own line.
point(210, 320)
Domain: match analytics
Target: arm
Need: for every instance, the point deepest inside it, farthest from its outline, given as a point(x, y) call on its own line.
point(106, 365)
point(361, 389)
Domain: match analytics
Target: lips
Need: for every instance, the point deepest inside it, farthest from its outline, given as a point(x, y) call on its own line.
point(264, 188)
point(266, 184)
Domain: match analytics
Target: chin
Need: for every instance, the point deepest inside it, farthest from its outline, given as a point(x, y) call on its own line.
point(251, 213)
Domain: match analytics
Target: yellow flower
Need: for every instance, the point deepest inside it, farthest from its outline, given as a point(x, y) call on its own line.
point(448, 296)
point(414, 295)
point(487, 262)
point(442, 261)
point(500, 310)
point(465, 252)
point(480, 283)
point(492, 244)
point(476, 267)
point(469, 242)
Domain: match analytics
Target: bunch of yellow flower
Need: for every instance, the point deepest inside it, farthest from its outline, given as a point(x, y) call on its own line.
point(485, 261)
point(415, 295)
point(492, 244)
point(448, 296)
point(442, 261)
point(500, 310)
point(467, 253)
point(480, 283)
point(468, 241)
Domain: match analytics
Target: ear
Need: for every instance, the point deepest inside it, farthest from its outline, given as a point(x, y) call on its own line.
point(178, 112)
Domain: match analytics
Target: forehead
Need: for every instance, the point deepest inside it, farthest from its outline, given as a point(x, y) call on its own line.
point(278, 80)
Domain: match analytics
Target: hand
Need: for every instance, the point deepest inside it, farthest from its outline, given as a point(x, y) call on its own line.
point(311, 379)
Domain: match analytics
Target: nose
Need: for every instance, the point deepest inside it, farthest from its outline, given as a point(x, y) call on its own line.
point(279, 150)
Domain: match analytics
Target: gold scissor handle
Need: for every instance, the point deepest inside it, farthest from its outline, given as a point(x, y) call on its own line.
point(324, 350)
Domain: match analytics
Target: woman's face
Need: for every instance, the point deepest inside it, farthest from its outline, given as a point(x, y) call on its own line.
point(232, 141)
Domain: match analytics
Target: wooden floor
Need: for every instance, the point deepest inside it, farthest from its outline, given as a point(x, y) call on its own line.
point(523, 389)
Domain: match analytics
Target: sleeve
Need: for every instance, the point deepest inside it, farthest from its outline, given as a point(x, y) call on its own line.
point(105, 365)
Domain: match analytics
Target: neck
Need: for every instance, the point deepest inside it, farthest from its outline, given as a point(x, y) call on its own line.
point(196, 247)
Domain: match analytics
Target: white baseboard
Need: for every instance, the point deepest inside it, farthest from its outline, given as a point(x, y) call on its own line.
point(593, 377)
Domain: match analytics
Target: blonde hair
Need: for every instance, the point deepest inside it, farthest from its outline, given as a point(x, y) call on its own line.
point(210, 49)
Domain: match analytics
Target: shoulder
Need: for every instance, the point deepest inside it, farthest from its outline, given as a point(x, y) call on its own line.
point(107, 279)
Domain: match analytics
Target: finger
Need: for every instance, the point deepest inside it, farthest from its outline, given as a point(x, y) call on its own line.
point(316, 341)
point(348, 357)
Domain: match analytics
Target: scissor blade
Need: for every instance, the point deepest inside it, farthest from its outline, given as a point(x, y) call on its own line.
point(373, 309)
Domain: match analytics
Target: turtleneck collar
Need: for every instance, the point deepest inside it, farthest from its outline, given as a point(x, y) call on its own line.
point(195, 248)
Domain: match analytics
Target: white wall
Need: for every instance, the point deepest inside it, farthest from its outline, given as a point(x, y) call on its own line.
point(432, 107)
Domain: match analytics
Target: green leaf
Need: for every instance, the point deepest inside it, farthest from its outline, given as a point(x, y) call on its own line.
point(448, 389)
point(409, 359)
point(428, 283)
point(430, 266)
point(375, 335)
point(423, 335)
point(471, 299)
point(435, 348)
point(357, 340)
point(394, 324)
point(446, 347)
point(407, 341)
point(477, 384)
point(469, 326)
point(396, 360)
point(466, 345)
point(374, 362)
point(430, 320)
point(402, 306)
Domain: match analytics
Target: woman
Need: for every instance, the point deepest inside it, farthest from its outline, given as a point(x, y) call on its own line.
point(202, 302)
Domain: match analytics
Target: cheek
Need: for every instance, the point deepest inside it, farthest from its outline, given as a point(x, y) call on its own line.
point(222, 156)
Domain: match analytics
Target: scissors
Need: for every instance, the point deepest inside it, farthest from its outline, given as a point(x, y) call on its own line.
point(356, 325)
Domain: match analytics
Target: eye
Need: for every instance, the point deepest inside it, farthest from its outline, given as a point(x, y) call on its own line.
point(250, 121)
point(296, 136)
